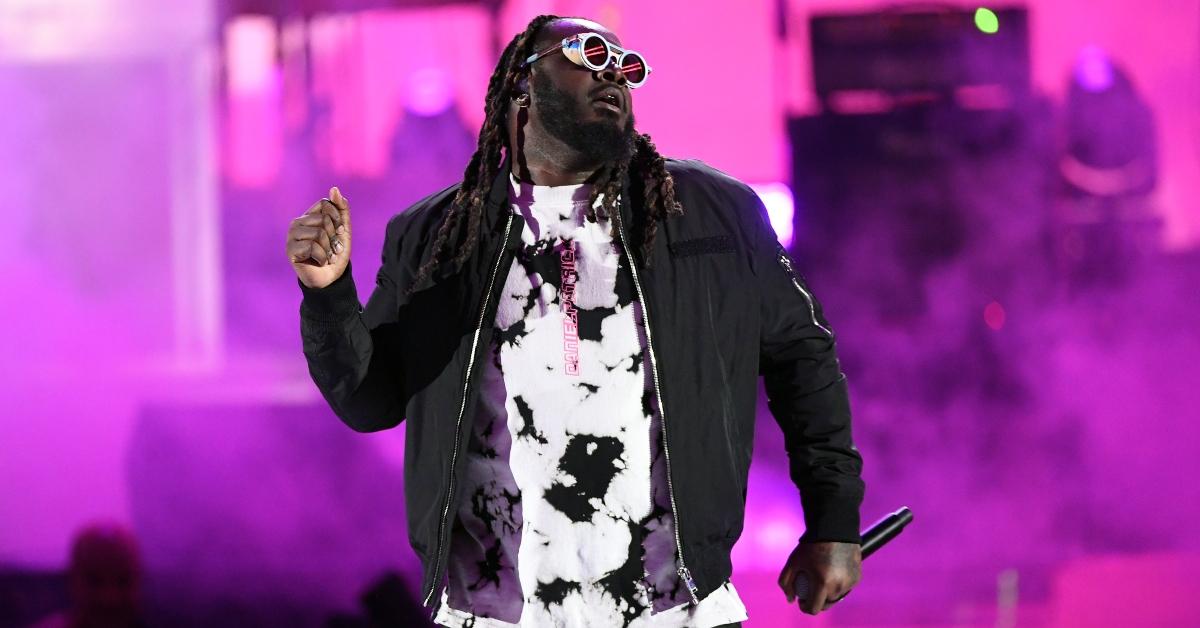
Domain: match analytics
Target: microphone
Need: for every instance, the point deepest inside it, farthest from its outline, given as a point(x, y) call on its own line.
point(874, 538)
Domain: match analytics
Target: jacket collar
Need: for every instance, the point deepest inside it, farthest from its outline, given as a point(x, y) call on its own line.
point(497, 207)
point(495, 211)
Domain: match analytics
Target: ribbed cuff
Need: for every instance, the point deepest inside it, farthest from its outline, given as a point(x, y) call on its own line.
point(334, 302)
point(831, 519)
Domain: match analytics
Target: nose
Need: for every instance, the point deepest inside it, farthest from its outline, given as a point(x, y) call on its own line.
point(612, 73)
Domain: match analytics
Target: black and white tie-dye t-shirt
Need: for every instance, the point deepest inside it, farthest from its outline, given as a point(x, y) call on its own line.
point(567, 518)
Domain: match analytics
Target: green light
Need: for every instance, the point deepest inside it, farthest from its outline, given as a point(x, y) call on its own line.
point(986, 20)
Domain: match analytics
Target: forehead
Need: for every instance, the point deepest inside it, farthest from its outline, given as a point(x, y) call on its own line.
point(557, 30)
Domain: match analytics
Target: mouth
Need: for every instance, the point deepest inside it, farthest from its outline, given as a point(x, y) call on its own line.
point(610, 99)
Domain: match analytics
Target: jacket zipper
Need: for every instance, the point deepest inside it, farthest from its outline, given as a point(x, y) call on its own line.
point(462, 408)
point(786, 262)
point(685, 574)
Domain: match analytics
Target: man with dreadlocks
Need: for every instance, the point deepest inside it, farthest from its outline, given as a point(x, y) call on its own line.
point(574, 334)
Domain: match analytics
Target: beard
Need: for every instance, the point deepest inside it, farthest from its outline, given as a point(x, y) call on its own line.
point(600, 141)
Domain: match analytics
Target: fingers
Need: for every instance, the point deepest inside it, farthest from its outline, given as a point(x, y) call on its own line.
point(787, 579)
point(343, 206)
point(817, 595)
point(339, 201)
point(321, 235)
point(834, 592)
point(338, 231)
point(318, 254)
point(324, 206)
point(336, 244)
point(304, 240)
point(301, 232)
point(307, 252)
point(834, 599)
point(818, 575)
point(327, 207)
point(329, 225)
point(321, 220)
point(822, 598)
point(331, 210)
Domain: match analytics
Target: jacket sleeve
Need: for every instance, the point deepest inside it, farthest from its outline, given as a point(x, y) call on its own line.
point(806, 390)
point(353, 352)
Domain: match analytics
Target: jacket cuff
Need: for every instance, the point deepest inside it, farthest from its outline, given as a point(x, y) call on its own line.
point(831, 519)
point(333, 303)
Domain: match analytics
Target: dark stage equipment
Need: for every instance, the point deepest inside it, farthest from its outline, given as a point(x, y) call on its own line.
point(929, 143)
point(918, 212)
point(1106, 217)
point(913, 50)
point(303, 8)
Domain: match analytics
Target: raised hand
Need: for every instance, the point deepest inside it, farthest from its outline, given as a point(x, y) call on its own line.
point(318, 241)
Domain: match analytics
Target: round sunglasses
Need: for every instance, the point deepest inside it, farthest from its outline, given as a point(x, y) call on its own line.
point(594, 52)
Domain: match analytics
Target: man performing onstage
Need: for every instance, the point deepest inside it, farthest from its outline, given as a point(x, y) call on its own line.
point(574, 334)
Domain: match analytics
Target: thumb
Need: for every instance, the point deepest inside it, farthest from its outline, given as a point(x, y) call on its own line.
point(343, 206)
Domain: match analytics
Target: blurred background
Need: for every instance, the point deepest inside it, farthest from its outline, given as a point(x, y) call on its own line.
point(998, 206)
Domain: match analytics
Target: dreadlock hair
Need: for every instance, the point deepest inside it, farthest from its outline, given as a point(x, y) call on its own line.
point(657, 185)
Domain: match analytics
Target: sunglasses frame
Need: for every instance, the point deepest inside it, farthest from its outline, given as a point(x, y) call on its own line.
point(573, 46)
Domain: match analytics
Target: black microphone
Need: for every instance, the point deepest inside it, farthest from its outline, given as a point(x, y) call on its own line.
point(874, 538)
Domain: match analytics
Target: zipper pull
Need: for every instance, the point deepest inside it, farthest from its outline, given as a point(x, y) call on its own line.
point(685, 574)
point(782, 256)
point(786, 262)
point(437, 606)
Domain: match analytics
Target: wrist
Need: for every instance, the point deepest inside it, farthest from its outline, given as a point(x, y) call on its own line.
point(336, 301)
point(831, 519)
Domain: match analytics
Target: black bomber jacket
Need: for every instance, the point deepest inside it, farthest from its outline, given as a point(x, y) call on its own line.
point(723, 305)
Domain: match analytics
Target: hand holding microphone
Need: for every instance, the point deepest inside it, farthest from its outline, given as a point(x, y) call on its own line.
point(835, 565)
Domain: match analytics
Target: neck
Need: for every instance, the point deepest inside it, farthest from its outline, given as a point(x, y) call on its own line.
point(551, 162)
point(551, 175)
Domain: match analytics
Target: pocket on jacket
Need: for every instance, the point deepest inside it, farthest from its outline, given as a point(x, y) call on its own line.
point(711, 245)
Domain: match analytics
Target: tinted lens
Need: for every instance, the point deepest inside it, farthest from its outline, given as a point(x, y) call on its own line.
point(595, 51)
point(634, 67)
